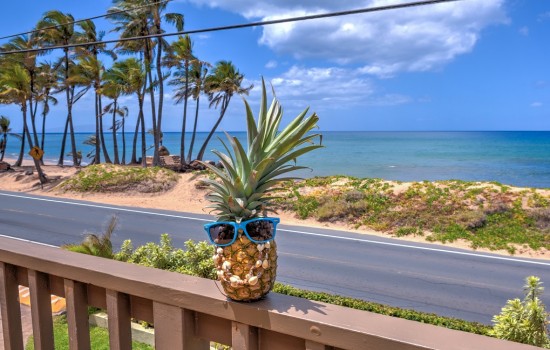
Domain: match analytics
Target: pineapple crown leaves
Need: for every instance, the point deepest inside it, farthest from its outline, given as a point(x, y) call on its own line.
point(248, 175)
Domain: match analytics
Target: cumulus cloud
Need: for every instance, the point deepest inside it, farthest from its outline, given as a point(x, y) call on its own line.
point(536, 104)
point(325, 88)
point(384, 43)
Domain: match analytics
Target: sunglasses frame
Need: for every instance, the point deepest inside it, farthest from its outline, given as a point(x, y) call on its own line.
point(242, 226)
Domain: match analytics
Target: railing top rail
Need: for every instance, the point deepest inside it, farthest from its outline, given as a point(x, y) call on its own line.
point(324, 323)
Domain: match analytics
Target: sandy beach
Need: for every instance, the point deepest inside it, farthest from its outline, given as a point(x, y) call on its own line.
point(187, 197)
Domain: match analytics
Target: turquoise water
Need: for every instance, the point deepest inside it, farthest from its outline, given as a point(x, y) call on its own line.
point(514, 158)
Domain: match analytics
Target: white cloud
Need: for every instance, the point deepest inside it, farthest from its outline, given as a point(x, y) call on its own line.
point(384, 43)
point(271, 64)
point(327, 88)
point(536, 104)
point(544, 16)
point(524, 31)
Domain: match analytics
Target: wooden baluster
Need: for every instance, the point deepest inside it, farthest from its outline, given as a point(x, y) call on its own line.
point(9, 304)
point(244, 336)
point(175, 328)
point(118, 309)
point(311, 345)
point(77, 315)
point(41, 310)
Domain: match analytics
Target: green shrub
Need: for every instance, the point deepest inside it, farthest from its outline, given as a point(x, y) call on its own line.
point(524, 321)
point(305, 206)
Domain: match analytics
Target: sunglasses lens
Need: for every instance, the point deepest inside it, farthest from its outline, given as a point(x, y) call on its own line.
point(222, 234)
point(260, 230)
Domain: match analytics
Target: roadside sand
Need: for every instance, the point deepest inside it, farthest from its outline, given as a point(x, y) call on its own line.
point(185, 197)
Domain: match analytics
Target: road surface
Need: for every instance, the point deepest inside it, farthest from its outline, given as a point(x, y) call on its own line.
point(431, 278)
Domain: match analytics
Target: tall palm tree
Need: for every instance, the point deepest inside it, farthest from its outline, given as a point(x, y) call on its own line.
point(198, 73)
point(15, 88)
point(180, 56)
point(28, 62)
point(47, 83)
point(58, 29)
point(147, 21)
point(113, 87)
point(131, 76)
point(220, 86)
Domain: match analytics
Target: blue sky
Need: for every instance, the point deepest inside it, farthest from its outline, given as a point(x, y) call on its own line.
point(468, 65)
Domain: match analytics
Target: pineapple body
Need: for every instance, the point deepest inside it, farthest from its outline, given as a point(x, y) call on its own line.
point(246, 271)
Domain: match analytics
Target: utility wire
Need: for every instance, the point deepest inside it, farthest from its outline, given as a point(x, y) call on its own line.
point(85, 19)
point(239, 26)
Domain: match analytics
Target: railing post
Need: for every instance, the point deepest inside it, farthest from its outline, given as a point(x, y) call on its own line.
point(118, 309)
point(175, 328)
point(9, 306)
point(244, 336)
point(41, 310)
point(77, 315)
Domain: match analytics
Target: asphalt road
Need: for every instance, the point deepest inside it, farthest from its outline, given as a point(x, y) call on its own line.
point(430, 278)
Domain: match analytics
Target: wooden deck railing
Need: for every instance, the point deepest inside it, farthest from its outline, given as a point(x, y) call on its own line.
point(189, 312)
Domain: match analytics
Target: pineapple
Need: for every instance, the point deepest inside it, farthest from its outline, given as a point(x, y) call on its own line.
point(245, 269)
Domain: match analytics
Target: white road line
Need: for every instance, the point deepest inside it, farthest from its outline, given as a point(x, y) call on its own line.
point(494, 257)
point(29, 241)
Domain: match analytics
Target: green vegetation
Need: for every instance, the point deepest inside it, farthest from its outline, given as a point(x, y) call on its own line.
point(524, 321)
point(487, 215)
point(113, 178)
point(99, 337)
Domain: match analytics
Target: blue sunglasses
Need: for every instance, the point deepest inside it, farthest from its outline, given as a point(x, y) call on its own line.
point(259, 230)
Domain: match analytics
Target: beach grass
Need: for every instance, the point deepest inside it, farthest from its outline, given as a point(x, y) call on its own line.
point(113, 178)
point(486, 215)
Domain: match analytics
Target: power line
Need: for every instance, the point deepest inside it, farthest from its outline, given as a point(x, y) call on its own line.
point(85, 19)
point(239, 26)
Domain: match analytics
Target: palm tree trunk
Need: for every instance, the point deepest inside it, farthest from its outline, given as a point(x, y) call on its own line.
point(143, 150)
point(97, 155)
point(101, 134)
point(182, 147)
point(115, 145)
point(123, 142)
point(4, 143)
point(225, 103)
point(71, 131)
point(33, 111)
point(134, 143)
point(194, 131)
point(153, 108)
point(21, 150)
point(63, 142)
point(161, 90)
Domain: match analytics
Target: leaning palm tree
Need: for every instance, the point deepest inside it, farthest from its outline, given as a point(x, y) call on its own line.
point(15, 88)
point(180, 56)
point(221, 85)
point(57, 28)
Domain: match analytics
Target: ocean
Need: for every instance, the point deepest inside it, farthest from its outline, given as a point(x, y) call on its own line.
point(518, 158)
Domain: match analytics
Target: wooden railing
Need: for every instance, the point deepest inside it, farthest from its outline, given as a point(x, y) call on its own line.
point(189, 312)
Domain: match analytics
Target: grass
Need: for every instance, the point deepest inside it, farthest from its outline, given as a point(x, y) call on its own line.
point(99, 337)
point(113, 178)
point(487, 215)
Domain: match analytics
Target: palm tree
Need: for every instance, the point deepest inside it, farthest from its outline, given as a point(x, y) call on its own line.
point(113, 87)
point(46, 83)
point(221, 85)
point(5, 130)
point(28, 62)
point(141, 22)
point(181, 56)
point(15, 88)
point(58, 29)
point(198, 75)
point(130, 75)
point(88, 73)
